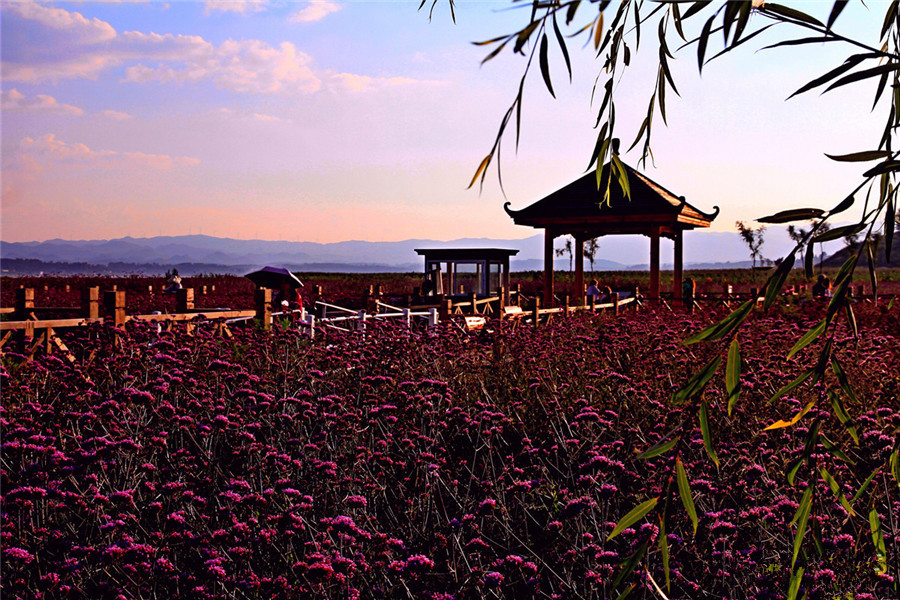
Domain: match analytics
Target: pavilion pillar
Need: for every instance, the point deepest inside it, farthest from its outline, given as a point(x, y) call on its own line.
point(548, 267)
point(578, 249)
point(654, 263)
point(678, 275)
point(505, 281)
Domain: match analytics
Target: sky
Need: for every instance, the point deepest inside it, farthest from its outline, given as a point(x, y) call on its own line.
point(324, 121)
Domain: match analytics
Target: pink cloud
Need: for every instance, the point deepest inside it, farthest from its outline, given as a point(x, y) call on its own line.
point(316, 11)
point(48, 151)
point(15, 101)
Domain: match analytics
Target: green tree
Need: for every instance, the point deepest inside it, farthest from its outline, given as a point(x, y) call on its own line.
point(753, 238)
point(590, 251)
point(566, 249)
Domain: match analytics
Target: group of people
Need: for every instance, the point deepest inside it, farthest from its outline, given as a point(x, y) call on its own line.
point(822, 287)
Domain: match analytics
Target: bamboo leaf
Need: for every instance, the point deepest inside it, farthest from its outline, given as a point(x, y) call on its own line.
point(808, 338)
point(659, 448)
point(781, 424)
point(598, 32)
point(836, 10)
point(724, 327)
point(839, 70)
point(819, 39)
point(842, 205)
point(664, 550)
point(684, 490)
point(836, 490)
point(707, 433)
point(703, 41)
point(838, 232)
point(878, 540)
point(545, 65)
point(733, 374)
point(805, 501)
point(794, 586)
point(865, 74)
point(776, 281)
point(862, 489)
point(790, 13)
point(797, 214)
point(888, 166)
point(697, 382)
point(841, 413)
point(792, 385)
point(694, 9)
point(562, 46)
point(894, 462)
point(802, 518)
point(634, 515)
point(859, 156)
point(873, 277)
point(481, 169)
point(628, 566)
point(889, 230)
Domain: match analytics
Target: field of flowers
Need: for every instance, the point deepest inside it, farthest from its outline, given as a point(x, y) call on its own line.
point(499, 464)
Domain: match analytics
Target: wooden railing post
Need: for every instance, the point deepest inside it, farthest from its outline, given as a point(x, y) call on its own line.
point(114, 303)
point(536, 311)
point(473, 298)
point(615, 300)
point(90, 302)
point(593, 302)
point(263, 298)
point(184, 300)
point(446, 308)
point(24, 303)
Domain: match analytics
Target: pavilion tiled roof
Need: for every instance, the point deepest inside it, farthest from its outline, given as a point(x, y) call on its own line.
point(582, 202)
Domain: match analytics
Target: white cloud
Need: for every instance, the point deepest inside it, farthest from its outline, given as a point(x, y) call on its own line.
point(316, 11)
point(15, 101)
point(261, 117)
point(239, 6)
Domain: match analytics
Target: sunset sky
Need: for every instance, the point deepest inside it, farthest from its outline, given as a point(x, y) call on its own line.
point(324, 121)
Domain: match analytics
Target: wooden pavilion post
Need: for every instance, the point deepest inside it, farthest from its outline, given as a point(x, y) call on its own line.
point(548, 267)
point(578, 249)
point(654, 263)
point(679, 263)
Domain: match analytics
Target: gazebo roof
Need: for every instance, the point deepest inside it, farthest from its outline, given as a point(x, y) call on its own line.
point(579, 207)
point(443, 254)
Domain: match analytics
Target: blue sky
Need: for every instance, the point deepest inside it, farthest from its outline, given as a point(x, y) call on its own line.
point(324, 121)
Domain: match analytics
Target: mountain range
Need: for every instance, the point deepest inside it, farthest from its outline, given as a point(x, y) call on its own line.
point(193, 254)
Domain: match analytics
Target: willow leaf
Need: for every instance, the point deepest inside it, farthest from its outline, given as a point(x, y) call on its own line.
point(836, 490)
point(562, 46)
point(629, 564)
point(894, 462)
point(864, 74)
point(843, 416)
point(634, 515)
point(842, 205)
point(836, 10)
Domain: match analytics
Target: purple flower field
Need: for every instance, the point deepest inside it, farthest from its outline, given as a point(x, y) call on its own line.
point(498, 464)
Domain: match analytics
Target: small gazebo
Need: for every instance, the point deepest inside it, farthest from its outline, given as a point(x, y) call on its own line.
point(578, 209)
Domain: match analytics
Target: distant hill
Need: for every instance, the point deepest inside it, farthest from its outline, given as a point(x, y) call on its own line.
point(193, 254)
point(840, 257)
